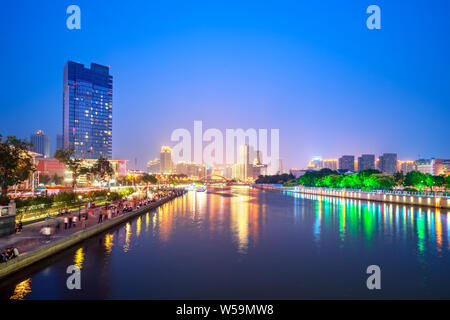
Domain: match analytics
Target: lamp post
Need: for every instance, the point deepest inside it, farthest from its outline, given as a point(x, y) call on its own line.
point(79, 205)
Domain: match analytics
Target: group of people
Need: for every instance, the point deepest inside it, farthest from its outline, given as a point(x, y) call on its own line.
point(9, 254)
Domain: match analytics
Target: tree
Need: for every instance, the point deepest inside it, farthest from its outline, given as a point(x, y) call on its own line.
point(399, 177)
point(439, 181)
point(74, 165)
point(57, 179)
point(45, 179)
point(102, 169)
point(414, 179)
point(16, 163)
point(149, 179)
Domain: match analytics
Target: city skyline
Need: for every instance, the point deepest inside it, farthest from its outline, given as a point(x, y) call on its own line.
point(243, 74)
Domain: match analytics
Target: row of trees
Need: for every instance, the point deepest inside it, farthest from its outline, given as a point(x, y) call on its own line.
point(366, 179)
point(102, 170)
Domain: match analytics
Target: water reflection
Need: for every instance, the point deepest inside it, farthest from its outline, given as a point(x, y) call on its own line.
point(21, 290)
point(370, 220)
point(237, 236)
point(79, 258)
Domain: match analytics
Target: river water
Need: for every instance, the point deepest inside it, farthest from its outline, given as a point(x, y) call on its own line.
point(243, 243)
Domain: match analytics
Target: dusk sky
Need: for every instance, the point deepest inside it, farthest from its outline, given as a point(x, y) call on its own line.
point(309, 68)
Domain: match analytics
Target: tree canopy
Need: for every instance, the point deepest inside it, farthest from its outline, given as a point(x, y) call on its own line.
point(16, 163)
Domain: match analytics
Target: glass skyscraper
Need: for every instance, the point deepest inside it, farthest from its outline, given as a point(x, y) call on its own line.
point(87, 112)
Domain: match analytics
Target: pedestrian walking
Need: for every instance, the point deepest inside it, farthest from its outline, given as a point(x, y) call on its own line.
point(75, 221)
point(70, 222)
point(58, 222)
point(66, 221)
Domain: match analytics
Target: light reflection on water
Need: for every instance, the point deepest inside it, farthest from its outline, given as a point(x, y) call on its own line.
point(240, 237)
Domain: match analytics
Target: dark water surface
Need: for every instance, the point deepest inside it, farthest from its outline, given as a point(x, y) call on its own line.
point(242, 243)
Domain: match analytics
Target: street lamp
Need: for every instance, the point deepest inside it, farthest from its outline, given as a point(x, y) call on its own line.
point(79, 205)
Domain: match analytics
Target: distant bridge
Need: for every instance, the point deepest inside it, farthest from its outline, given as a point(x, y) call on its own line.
point(210, 177)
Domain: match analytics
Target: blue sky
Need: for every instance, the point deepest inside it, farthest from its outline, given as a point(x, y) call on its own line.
point(309, 68)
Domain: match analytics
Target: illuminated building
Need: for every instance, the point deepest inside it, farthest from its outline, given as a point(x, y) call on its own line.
point(433, 166)
point(366, 161)
point(315, 163)
point(405, 166)
point(165, 159)
point(388, 163)
point(87, 112)
point(40, 144)
point(347, 163)
point(331, 164)
point(154, 166)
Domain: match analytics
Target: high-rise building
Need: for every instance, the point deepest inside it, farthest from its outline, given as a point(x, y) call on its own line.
point(165, 159)
point(405, 166)
point(366, 161)
point(245, 161)
point(40, 144)
point(316, 163)
point(347, 163)
point(388, 163)
point(153, 166)
point(59, 141)
point(87, 112)
point(330, 164)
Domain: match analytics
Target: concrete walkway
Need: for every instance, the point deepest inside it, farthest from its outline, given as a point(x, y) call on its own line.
point(31, 238)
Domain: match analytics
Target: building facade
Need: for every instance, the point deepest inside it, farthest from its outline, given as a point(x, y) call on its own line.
point(366, 161)
point(87, 112)
point(40, 144)
point(347, 163)
point(388, 163)
point(165, 159)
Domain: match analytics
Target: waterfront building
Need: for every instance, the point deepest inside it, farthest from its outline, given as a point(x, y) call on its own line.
point(388, 163)
point(165, 159)
point(366, 161)
point(405, 166)
point(441, 167)
point(347, 163)
point(190, 169)
point(40, 144)
point(153, 166)
point(433, 166)
point(87, 111)
point(331, 164)
point(316, 163)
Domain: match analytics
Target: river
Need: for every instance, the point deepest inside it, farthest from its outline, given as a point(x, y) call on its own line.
point(244, 243)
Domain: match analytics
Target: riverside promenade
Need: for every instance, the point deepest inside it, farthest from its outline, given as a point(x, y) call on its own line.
point(399, 197)
point(34, 246)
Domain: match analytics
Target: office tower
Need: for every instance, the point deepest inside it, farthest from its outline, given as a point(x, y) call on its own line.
point(165, 159)
point(245, 162)
point(87, 112)
point(388, 163)
point(366, 161)
point(59, 141)
point(347, 163)
point(153, 166)
point(41, 144)
point(331, 164)
point(405, 166)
